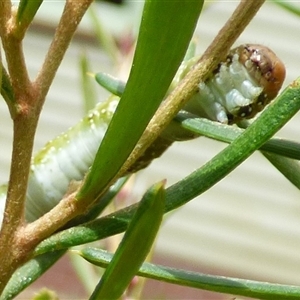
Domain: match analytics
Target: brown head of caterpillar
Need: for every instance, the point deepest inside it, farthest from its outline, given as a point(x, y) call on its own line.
point(240, 86)
point(266, 67)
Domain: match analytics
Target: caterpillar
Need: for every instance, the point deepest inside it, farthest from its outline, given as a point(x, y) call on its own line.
point(241, 86)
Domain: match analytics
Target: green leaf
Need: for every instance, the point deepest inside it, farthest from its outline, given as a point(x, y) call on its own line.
point(29, 272)
point(111, 83)
point(6, 88)
point(293, 8)
point(262, 129)
point(117, 86)
point(269, 122)
point(85, 233)
point(228, 133)
point(36, 267)
point(99, 206)
point(88, 88)
point(288, 167)
point(220, 284)
point(134, 246)
point(104, 37)
point(165, 32)
point(26, 12)
point(288, 151)
point(45, 294)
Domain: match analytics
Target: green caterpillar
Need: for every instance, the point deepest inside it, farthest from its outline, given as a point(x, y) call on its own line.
point(242, 85)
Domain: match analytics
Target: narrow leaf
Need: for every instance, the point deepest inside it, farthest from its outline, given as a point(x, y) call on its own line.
point(99, 206)
point(29, 272)
point(111, 83)
point(289, 6)
point(220, 284)
point(26, 12)
point(37, 266)
point(288, 167)
point(6, 88)
point(262, 129)
point(117, 86)
point(228, 133)
point(134, 246)
point(88, 88)
point(165, 26)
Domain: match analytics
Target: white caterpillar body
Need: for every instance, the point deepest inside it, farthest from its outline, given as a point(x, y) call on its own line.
point(240, 87)
point(67, 157)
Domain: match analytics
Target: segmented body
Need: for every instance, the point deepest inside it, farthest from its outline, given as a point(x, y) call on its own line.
point(241, 86)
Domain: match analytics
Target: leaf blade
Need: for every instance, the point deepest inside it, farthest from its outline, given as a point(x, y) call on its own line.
point(134, 246)
point(144, 90)
point(221, 284)
point(26, 11)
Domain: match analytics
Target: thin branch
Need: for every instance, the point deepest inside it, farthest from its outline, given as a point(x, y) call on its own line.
point(72, 15)
point(64, 211)
point(12, 253)
point(25, 122)
point(220, 46)
point(15, 248)
point(5, 13)
point(17, 69)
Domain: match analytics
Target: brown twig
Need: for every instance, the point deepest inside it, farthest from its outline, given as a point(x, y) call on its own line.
point(220, 46)
point(25, 121)
point(15, 61)
point(15, 247)
point(5, 13)
point(72, 15)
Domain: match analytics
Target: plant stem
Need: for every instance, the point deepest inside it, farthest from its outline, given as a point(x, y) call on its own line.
point(220, 46)
point(64, 211)
point(12, 253)
point(16, 63)
point(15, 247)
point(25, 122)
point(5, 12)
point(72, 15)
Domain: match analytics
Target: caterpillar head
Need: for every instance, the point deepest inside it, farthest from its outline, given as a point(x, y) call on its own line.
point(261, 78)
point(241, 86)
point(264, 67)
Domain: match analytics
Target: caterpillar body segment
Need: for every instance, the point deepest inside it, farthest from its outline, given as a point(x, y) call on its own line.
point(66, 158)
point(241, 86)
